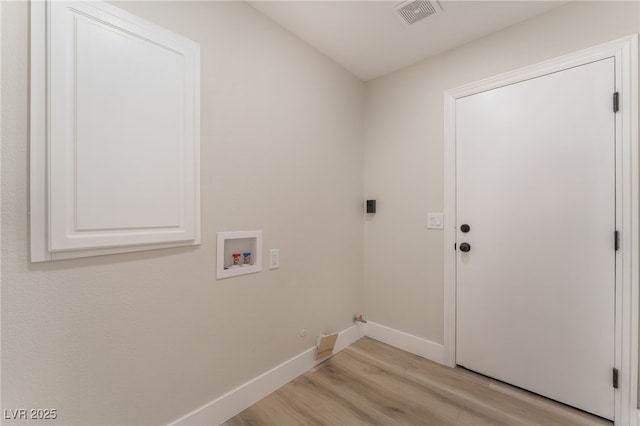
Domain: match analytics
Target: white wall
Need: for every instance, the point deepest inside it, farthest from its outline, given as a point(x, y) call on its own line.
point(144, 338)
point(404, 153)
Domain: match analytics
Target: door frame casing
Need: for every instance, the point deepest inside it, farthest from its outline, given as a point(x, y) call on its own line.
point(625, 52)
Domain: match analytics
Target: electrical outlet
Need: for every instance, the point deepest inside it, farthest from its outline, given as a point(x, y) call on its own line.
point(274, 258)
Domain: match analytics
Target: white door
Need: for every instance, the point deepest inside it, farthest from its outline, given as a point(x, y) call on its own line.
point(536, 186)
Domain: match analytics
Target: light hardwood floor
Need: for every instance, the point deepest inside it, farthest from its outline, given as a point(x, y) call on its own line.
point(371, 383)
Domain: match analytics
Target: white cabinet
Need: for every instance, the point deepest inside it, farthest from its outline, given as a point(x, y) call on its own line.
point(115, 139)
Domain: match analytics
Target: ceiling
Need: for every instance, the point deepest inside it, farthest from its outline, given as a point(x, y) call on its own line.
point(370, 40)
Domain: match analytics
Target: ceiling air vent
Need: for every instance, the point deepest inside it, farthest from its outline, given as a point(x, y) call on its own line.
point(413, 11)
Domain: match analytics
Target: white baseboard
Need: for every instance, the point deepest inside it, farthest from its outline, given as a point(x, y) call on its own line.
point(228, 405)
point(408, 342)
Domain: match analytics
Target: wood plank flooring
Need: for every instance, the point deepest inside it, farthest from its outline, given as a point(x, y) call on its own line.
point(371, 383)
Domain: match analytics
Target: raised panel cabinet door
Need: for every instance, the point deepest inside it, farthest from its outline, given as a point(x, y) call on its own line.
point(536, 184)
point(123, 142)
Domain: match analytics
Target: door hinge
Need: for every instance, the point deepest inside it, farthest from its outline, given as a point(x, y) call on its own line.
point(616, 102)
point(455, 246)
point(616, 240)
point(615, 378)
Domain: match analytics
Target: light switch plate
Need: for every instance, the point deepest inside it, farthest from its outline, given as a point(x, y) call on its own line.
point(435, 221)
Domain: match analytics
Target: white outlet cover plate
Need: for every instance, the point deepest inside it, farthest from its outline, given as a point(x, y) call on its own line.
point(435, 221)
point(274, 258)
